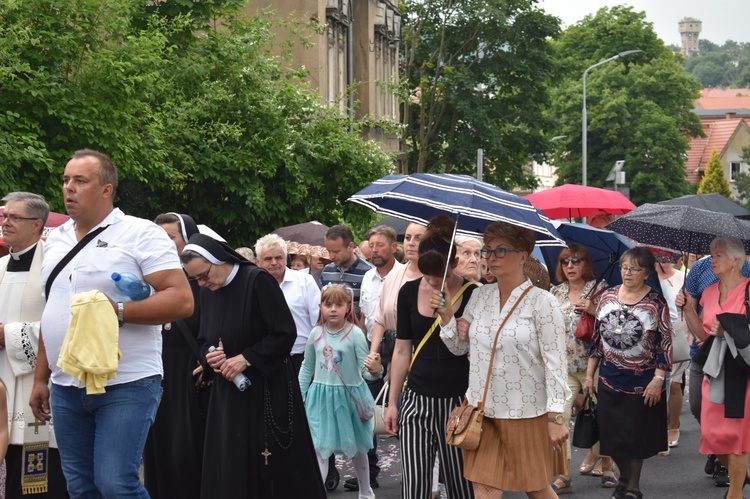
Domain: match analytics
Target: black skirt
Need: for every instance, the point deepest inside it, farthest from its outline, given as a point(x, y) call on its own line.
point(628, 428)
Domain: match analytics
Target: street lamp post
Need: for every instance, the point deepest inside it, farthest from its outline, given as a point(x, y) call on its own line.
point(605, 61)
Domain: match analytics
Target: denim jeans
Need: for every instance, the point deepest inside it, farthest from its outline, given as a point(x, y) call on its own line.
point(101, 437)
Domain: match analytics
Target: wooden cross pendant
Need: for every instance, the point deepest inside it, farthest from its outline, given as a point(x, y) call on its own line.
point(265, 454)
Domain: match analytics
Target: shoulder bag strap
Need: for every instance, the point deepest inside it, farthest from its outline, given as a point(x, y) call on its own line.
point(431, 330)
point(480, 406)
point(335, 367)
point(67, 258)
point(747, 301)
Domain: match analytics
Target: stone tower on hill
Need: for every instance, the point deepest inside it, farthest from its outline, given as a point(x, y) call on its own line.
point(690, 28)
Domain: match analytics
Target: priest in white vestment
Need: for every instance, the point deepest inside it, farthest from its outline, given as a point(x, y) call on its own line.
point(32, 446)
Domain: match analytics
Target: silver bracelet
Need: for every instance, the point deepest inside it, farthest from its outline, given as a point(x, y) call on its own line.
point(659, 376)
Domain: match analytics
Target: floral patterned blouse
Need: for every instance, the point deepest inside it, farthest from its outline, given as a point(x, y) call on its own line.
point(632, 340)
point(578, 351)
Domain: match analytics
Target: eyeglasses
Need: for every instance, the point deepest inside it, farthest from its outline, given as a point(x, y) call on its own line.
point(630, 270)
point(499, 252)
point(204, 276)
point(14, 219)
point(568, 261)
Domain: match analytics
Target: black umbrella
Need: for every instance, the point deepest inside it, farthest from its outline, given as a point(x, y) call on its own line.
point(710, 202)
point(395, 223)
point(312, 233)
point(681, 228)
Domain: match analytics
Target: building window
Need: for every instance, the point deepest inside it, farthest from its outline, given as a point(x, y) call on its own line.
point(337, 20)
point(734, 169)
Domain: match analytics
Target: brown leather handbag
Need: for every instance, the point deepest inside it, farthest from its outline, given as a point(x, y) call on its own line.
point(465, 421)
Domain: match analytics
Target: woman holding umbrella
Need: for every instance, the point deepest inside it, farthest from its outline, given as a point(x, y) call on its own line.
point(725, 410)
point(578, 291)
point(437, 379)
point(633, 342)
point(523, 423)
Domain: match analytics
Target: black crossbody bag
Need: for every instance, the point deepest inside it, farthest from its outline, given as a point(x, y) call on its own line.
point(67, 258)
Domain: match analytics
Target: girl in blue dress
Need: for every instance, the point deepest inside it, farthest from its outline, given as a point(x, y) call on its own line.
point(335, 354)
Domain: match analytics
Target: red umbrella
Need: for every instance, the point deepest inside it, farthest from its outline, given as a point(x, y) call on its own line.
point(575, 201)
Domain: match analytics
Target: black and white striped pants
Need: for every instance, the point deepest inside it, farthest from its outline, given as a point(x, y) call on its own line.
point(422, 423)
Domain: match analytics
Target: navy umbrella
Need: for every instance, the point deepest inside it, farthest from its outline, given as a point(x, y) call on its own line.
point(475, 204)
point(683, 228)
point(605, 248)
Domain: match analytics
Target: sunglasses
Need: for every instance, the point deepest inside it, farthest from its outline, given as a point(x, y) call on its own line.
point(575, 261)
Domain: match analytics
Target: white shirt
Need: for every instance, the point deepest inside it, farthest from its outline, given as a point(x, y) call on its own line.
point(369, 294)
point(130, 244)
point(303, 298)
point(530, 366)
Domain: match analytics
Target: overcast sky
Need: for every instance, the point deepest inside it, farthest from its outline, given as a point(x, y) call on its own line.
point(722, 19)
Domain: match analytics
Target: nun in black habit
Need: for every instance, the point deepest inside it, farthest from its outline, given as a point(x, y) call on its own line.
point(173, 454)
point(258, 443)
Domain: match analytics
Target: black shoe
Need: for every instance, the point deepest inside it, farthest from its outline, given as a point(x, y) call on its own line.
point(332, 480)
point(352, 484)
point(710, 466)
point(721, 475)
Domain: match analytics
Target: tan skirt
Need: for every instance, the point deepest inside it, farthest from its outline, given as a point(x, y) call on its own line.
point(513, 455)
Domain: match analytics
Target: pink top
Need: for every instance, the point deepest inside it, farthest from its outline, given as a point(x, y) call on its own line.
point(735, 303)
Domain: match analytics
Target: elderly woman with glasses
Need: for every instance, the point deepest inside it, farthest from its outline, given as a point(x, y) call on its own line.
point(578, 291)
point(632, 348)
point(255, 434)
point(523, 423)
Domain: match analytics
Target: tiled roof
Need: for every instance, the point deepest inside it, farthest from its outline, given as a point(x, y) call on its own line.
point(718, 134)
point(725, 92)
point(722, 102)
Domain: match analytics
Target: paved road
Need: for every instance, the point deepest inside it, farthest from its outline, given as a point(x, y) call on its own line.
point(677, 476)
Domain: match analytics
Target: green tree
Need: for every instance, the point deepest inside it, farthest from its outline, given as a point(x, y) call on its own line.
point(742, 180)
point(639, 106)
point(218, 129)
point(714, 179)
point(475, 76)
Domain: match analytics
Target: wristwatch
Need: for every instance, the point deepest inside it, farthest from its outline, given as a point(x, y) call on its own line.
point(120, 314)
point(559, 419)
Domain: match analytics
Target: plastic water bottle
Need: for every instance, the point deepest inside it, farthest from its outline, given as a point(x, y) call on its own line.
point(241, 381)
point(131, 286)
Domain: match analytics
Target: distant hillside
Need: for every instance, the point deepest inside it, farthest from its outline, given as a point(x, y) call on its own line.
point(725, 65)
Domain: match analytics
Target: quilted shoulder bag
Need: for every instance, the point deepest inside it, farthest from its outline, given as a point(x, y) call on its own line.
point(465, 421)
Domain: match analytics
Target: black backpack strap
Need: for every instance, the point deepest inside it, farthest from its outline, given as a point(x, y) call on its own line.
point(67, 258)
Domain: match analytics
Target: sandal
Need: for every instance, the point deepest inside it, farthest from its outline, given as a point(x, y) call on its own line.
point(609, 481)
point(566, 488)
point(599, 468)
point(620, 490)
point(633, 494)
point(588, 464)
point(673, 437)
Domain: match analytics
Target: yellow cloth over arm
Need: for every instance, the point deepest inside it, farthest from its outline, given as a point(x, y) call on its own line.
point(90, 351)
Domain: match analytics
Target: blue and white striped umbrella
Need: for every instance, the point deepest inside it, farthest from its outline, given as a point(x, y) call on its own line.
point(420, 196)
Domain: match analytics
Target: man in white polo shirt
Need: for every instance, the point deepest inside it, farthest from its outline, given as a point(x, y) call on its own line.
point(101, 437)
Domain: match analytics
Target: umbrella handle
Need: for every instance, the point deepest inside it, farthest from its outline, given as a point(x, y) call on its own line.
point(450, 248)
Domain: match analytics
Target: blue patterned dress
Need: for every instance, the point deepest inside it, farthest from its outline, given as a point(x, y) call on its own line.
point(331, 412)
